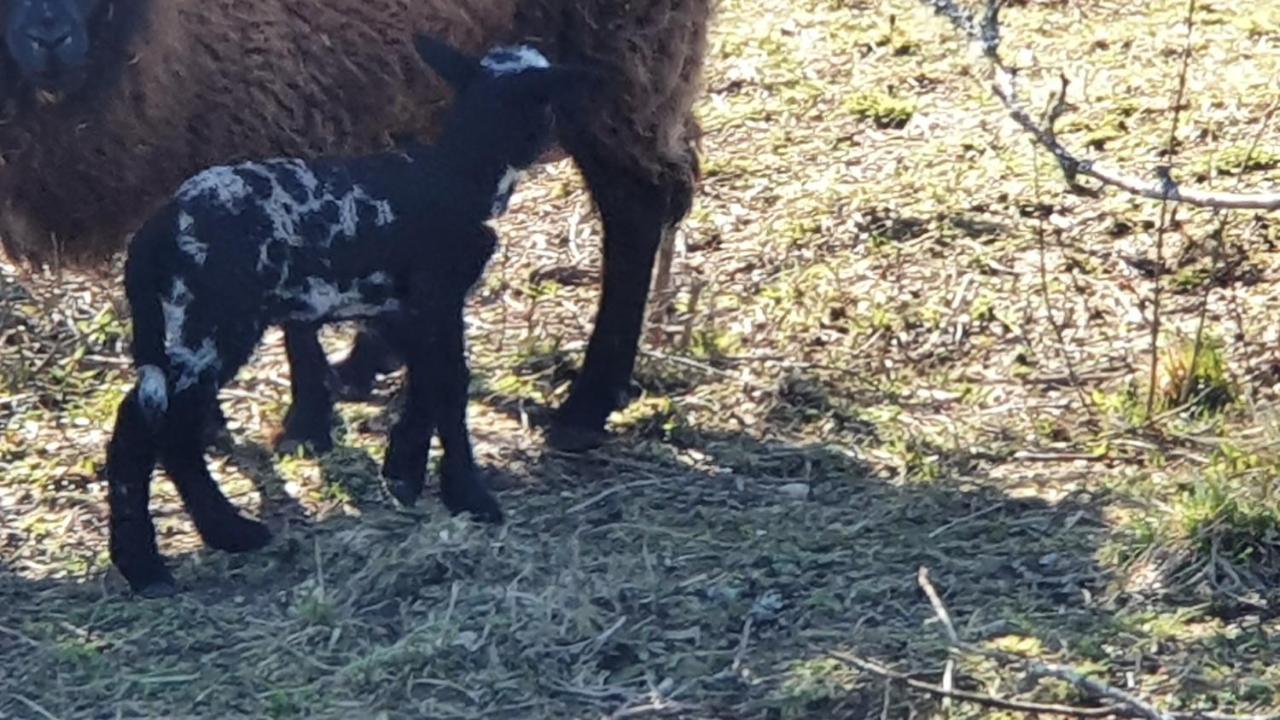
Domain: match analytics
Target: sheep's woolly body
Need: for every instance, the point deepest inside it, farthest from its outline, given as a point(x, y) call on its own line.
point(206, 82)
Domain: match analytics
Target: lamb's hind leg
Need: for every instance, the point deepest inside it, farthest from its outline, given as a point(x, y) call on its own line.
point(131, 457)
point(371, 353)
point(181, 452)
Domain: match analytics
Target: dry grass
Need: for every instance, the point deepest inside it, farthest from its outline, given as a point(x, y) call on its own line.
point(859, 377)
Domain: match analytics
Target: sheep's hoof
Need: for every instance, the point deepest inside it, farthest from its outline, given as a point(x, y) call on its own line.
point(238, 535)
point(406, 492)
point(471, 498)
point(574, 438)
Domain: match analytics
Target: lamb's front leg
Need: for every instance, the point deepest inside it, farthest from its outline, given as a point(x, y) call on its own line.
point(404, 470)
point(309, 421)
point(461, 488)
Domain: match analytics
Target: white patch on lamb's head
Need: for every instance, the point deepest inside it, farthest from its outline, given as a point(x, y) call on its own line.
point(506, 186)
point(153, 396)
point(512, 59)
point(222, 184)
point(187, 240)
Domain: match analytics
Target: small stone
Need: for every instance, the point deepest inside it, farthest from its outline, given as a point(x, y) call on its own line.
point(796, 491)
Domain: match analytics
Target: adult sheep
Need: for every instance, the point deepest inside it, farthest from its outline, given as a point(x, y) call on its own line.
point(111, 103)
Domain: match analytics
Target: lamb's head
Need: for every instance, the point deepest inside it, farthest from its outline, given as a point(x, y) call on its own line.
point(505, 102)
point(49, 40)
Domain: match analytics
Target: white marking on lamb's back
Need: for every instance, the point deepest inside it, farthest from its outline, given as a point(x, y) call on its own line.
point(513, 59)
point(325, 300)
point(286, 212)
point(221, 183)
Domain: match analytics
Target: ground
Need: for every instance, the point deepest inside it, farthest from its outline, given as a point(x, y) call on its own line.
point(896, 341)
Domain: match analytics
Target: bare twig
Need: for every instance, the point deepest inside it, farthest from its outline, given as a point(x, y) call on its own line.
point(1044, 288)
point(987, 35)
point(939, 608)
point(35, 707)
point(1167, 217)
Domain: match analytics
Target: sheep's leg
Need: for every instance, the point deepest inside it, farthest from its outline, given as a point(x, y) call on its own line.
point(308, 423)
point(131, 456)
point(219, 523)
point(637, 214)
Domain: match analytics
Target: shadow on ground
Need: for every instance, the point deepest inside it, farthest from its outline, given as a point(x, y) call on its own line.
point(717, 575)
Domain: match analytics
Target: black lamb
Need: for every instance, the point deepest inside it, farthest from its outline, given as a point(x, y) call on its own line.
point(400, 237)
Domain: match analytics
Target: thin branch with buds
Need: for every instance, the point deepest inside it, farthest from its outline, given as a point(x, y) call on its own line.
point(986, 34)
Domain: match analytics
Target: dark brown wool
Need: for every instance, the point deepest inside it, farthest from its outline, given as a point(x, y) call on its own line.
point(194, 83)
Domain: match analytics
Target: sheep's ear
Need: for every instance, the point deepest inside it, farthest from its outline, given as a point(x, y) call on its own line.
point(457, 68)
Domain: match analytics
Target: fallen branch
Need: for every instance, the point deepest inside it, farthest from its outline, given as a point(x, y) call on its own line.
point(986, 34)
point(1127, 705)
point(972, 697)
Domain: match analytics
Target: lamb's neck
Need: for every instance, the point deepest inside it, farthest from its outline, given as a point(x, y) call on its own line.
point(484, 185)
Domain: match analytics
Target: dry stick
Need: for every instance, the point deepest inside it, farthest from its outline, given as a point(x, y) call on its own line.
point(1167, 217)
point(987, 35)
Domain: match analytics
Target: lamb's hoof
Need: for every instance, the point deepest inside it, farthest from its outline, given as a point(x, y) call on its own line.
point(286, 444)
point(350, 385)
point(471, 498)
point(154, 581)
point(216, 435)
point(406, 492)
point(238, 535)
point(575, 438)
point(158, 589)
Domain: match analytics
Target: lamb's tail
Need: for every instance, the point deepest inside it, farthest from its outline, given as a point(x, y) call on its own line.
point(144, 269)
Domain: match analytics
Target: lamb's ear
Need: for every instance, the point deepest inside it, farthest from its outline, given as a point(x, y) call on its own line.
point(457, 68)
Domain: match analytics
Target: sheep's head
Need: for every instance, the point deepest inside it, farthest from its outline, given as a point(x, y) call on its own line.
point(506, 101)
point(49, 41)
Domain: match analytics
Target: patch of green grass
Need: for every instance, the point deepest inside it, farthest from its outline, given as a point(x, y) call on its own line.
point(813, 684)
point(880, 108)
point(1199, 383)
point(1237, 160)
